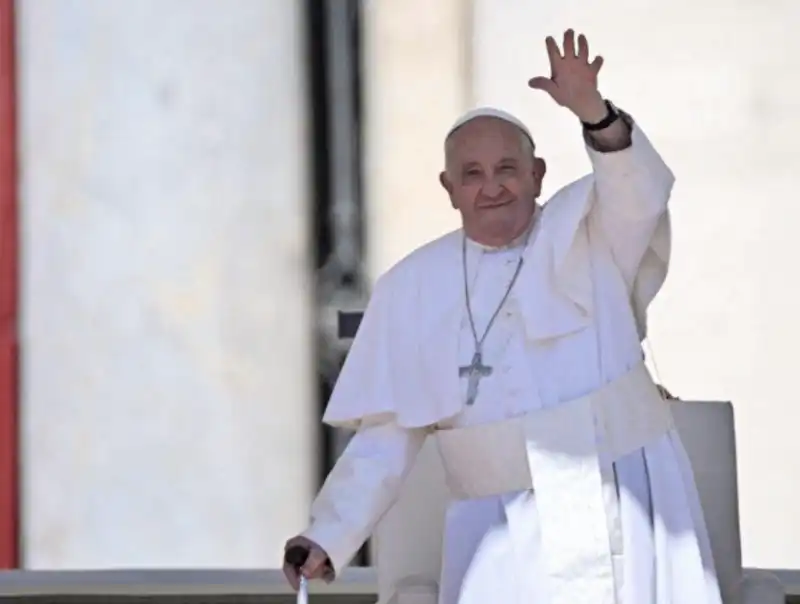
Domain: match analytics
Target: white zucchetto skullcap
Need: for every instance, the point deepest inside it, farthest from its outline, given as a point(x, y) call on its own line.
point(490, 112)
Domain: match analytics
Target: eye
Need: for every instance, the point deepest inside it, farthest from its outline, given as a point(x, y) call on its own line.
point(473, 172)
point(508, 169)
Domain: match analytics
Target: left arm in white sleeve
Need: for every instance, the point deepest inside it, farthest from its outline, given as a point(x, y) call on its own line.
point(362, 486)
point(632, 187)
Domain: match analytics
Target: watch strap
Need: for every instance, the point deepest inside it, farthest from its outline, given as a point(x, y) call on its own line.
point(610, 118)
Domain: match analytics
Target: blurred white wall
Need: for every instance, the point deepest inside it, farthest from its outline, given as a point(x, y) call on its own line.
point(167, 384)
point(714, 85)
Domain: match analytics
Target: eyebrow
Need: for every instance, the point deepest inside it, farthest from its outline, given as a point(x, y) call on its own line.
point(502, 160)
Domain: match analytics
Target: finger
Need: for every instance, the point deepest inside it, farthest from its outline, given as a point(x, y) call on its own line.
point(553, 53)
point(292, 576)
point(298, 540)
point(314, 568)
point(583, 48)
point(541, 83)
point(597, 64)
point(569, 43)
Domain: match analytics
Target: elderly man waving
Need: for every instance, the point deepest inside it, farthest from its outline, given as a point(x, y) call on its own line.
point(515, 342)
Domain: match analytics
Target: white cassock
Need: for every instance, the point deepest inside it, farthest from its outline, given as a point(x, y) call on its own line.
point(569, 483)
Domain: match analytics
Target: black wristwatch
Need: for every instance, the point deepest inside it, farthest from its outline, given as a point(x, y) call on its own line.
point(611, 117)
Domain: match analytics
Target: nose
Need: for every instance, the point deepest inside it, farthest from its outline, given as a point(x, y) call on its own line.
point(491, 188)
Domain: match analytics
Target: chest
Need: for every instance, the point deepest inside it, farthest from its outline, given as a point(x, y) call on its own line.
point(521, 374)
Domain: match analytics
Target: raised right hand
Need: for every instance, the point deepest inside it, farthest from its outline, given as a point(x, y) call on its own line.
point(316, 566)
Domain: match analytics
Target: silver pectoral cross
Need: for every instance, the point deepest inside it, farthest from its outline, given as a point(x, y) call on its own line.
point(475, 371)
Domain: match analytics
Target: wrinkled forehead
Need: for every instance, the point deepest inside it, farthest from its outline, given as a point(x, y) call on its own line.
point(485, 118)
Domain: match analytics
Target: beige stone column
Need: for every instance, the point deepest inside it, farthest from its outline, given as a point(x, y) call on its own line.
point(167, 391)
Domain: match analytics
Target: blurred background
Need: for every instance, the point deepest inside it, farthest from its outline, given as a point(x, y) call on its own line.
point(191, 189)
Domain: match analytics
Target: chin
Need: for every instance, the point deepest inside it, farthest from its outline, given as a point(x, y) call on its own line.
point(502, 230)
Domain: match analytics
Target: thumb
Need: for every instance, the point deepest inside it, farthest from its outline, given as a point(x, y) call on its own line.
point(315, 563)
point(542, 83)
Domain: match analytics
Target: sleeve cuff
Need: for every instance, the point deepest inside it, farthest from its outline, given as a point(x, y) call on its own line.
point(593, 145)
point(636, 178)
point(339, 544)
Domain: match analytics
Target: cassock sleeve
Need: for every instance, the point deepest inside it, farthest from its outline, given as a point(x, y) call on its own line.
point(632, 188)
point(371, 397)
point(362, 486)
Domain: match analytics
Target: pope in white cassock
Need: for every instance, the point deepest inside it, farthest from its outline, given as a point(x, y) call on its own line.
point(515, 342)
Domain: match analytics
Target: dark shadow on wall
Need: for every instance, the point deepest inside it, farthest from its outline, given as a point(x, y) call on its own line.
point(334, 60)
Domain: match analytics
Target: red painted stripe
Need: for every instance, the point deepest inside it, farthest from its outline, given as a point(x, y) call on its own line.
point(9, 492)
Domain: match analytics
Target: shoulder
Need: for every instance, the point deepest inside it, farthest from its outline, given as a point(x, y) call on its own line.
point(422, 263)
point(563, 215)
point(570, 203)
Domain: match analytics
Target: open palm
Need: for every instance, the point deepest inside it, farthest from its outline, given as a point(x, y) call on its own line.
point(573, 78)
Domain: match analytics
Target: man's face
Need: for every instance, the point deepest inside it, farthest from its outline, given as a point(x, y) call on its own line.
point(492, 179)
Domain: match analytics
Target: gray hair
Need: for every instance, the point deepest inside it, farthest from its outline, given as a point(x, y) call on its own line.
point(526, 146)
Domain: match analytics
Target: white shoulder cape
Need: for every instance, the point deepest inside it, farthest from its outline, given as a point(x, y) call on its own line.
point(409, 333)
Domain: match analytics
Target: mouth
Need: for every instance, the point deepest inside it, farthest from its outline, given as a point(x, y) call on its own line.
point(495, 204)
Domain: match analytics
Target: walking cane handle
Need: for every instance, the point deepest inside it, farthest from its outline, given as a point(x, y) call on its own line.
point(297, 555)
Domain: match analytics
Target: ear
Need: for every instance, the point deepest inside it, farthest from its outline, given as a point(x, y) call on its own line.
point(447, 185)
point(445, 182)
point(539, 170)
